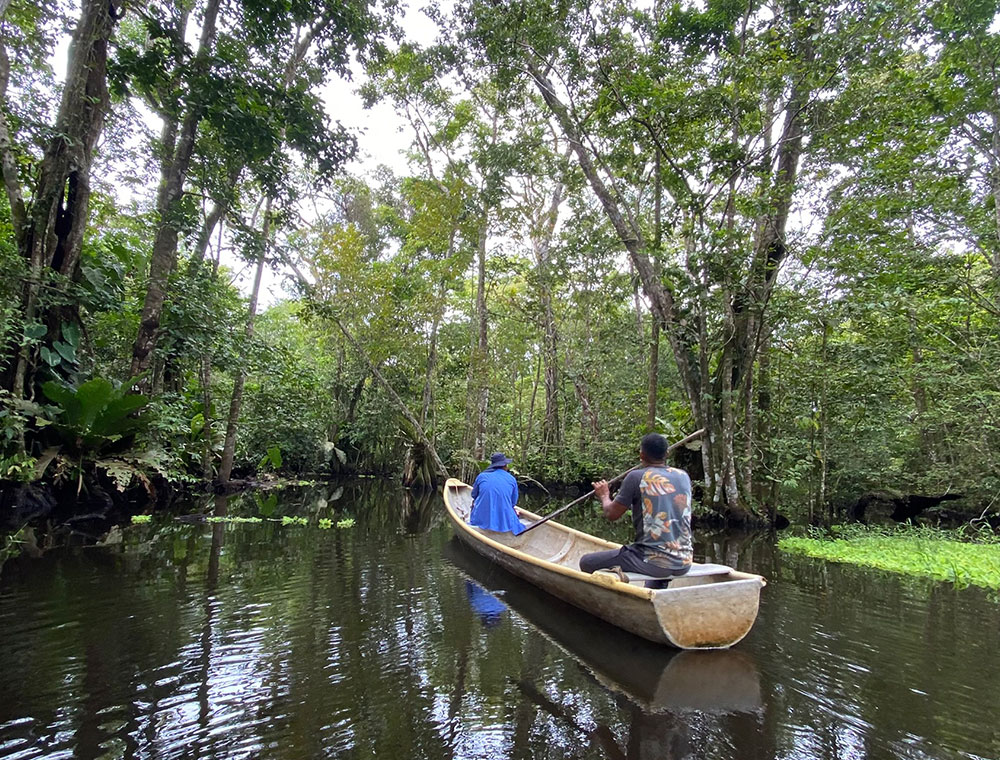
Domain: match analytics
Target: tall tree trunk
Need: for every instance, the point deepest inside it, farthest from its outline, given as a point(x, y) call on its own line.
point(416, 469)
point(478, 379)
point(526, 439)
point(821, 461)
point(428, 393)
point(995, 182)
point(173, 174)
point(205, 378)
point(652, 389)
point(50, 230)
point(232, 424)
point(654, 368)
point(764, 488)
point(542, 230)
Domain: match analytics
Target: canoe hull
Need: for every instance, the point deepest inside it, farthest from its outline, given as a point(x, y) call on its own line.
point(709, 612)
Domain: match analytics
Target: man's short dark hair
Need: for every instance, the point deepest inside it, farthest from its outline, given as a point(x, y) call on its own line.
point(654, 446)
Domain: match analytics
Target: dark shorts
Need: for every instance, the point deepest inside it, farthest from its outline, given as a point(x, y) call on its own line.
point(629, 560)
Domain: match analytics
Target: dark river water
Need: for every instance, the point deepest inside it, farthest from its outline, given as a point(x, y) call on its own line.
point(387, 640)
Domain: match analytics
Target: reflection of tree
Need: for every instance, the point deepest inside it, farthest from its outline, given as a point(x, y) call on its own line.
point(210, 611)
point(752, 551)
point(418, 510)
point(524, 713)
point(600, 737)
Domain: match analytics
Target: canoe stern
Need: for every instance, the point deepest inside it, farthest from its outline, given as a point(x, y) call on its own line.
point(710, 616)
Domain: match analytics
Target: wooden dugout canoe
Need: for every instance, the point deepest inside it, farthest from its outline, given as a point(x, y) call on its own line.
point(712, 607)
point(655, 678)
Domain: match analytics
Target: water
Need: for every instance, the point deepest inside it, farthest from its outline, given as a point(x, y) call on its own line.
point(388, 640)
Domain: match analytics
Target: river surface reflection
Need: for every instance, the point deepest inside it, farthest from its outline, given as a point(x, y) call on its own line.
point(388, 639)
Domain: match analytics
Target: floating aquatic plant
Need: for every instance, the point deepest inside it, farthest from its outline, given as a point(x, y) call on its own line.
point(914, 551)
point(228, 519)
point(141, 519)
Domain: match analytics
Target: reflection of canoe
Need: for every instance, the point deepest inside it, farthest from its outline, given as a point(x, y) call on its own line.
point(712, 607)
point(650, 676)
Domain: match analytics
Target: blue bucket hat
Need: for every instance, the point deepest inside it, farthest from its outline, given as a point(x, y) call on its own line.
point(499, 460)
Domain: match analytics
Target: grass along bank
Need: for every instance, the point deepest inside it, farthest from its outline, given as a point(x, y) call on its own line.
point(929, 552)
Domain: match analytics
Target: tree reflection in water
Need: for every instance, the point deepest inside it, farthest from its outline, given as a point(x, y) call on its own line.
point(661, 691)
point(289, 641)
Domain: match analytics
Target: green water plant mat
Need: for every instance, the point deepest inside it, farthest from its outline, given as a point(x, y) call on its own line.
point(927, 552)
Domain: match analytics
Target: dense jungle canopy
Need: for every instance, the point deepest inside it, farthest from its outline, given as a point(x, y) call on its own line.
point(778, 221)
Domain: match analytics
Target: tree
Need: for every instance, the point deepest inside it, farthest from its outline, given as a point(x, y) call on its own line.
point(719, 97)
point(226, 85)
point(49, 221)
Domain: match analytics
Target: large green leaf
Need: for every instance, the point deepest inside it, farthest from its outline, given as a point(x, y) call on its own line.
point(114, 418)
point(71, 333)
point(93, 396)
point(66, 351)
point(95, 414)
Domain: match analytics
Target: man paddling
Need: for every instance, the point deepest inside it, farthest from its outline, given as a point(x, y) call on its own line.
point(494, 494)
point(660, 499)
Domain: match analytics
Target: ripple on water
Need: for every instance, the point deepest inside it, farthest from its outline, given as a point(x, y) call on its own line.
point(311, 645)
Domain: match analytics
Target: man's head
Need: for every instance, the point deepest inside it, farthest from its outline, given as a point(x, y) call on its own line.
point(653, 448)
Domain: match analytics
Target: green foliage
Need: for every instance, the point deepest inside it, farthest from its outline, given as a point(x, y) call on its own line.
point(96, 415)
point(272, 459)
point(879, 340)
point(916, 551)
point(18, 467)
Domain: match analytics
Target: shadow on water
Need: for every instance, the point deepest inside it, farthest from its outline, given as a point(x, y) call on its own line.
point(654, 678)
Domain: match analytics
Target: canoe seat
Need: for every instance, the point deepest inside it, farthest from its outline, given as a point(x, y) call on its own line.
point(707, 569)
point(694, 572)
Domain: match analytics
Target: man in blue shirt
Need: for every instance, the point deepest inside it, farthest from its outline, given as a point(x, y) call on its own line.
point(494, 494)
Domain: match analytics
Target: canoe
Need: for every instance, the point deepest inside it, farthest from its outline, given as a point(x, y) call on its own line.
point(655, 678)
point(711, 607)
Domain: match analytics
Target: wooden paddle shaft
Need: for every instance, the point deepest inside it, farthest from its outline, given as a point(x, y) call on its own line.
point(615, 479)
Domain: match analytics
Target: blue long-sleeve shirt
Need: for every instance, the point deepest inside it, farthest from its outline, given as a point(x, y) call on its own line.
point(494, 494)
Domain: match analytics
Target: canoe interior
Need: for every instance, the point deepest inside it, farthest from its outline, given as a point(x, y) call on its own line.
point(563, 546)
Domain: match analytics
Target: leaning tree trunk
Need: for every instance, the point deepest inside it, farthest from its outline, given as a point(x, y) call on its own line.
point(995, 183)
point(653, 376)
point(418, 469)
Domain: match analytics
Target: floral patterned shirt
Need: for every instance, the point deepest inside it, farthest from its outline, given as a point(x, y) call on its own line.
point(660, 498)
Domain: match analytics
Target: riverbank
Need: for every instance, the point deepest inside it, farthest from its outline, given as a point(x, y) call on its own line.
point(961, 558)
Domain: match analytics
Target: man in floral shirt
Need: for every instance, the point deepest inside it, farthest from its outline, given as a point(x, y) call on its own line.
point(660, 499)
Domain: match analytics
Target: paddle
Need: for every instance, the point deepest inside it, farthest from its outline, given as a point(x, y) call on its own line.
point(615, 479)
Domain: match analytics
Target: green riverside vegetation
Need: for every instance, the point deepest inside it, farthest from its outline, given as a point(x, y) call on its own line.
point(778, 222)
point(915, 551)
